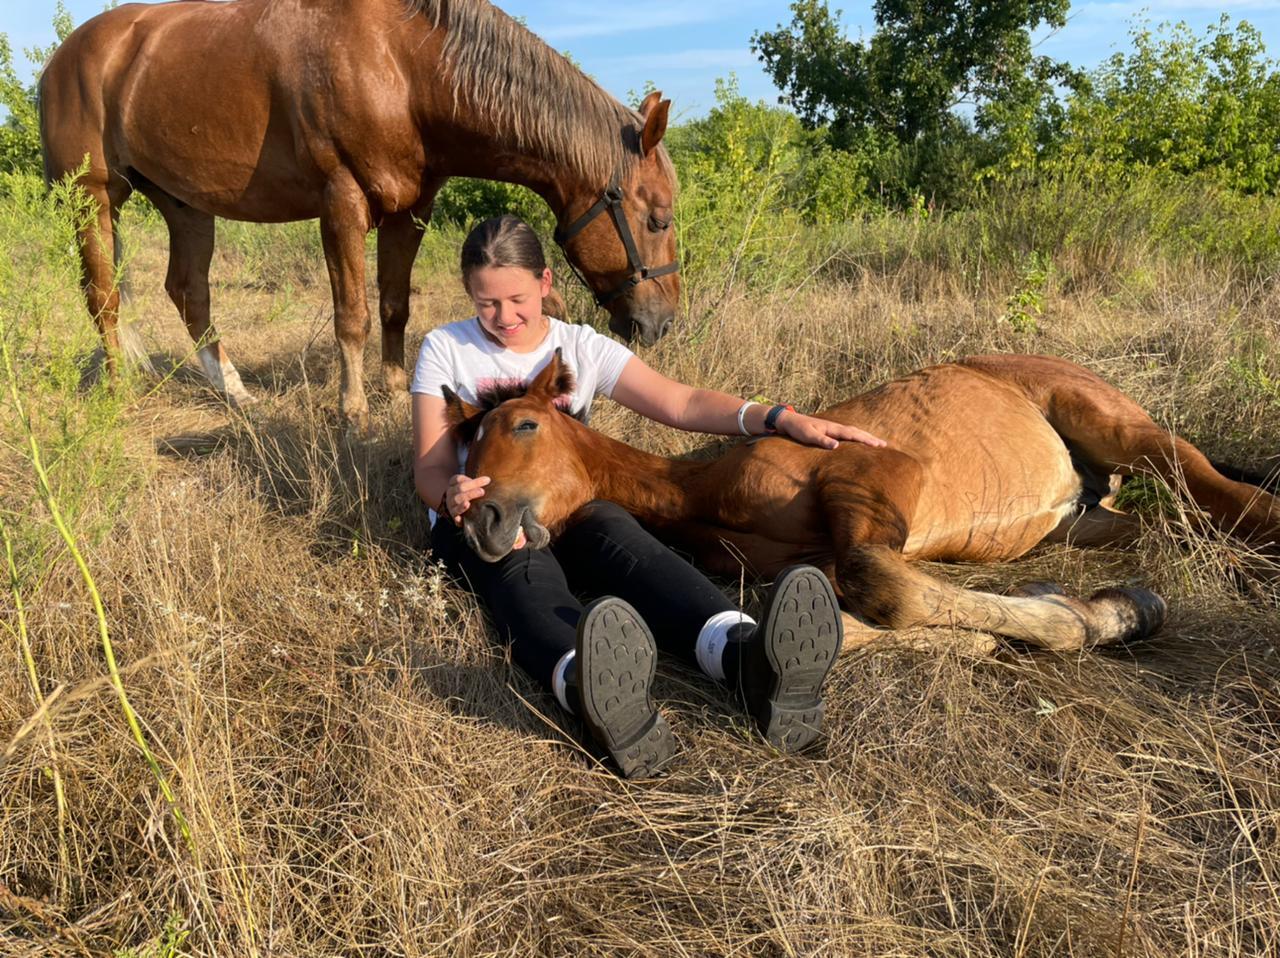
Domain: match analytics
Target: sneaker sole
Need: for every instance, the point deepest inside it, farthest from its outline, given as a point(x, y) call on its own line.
point(616, 663)
point(803, 634)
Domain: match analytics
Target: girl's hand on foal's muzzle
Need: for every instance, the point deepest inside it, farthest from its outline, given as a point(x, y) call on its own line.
point(462, 489)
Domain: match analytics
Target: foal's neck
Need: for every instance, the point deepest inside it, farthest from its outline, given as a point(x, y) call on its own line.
point(652, 488)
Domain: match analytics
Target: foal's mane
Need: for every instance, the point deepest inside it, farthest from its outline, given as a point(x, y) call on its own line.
point(549, 106)
point(491, 397)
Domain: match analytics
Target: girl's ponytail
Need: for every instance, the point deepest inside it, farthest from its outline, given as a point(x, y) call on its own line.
point(553, 305)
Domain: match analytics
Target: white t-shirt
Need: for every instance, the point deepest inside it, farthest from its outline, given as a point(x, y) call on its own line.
point(459, 355)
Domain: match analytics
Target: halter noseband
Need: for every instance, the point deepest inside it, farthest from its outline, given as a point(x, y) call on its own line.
point(611, 200)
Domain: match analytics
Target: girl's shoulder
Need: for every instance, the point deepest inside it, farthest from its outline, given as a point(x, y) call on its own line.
point(452, 336)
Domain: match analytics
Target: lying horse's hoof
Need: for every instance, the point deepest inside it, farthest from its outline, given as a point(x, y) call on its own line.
point(1125, 615)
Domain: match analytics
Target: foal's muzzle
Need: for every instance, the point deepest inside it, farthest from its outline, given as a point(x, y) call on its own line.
point(491, 528)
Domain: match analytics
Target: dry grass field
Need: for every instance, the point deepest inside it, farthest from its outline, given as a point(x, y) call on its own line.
point(361, 771)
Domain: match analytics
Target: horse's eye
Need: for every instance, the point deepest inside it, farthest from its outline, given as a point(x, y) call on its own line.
point(527, 425)
point(659, 223)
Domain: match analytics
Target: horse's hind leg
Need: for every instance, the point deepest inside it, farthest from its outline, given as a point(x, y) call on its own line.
point(1112, 431)
point(98, 240)
point(191, 235)
point(867, 495)
point(1096, 526)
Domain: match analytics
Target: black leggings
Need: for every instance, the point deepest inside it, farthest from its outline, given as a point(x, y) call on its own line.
point(530, 592)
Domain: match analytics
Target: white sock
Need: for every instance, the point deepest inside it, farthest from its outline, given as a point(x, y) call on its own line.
point(558, 684)
point(714, 637)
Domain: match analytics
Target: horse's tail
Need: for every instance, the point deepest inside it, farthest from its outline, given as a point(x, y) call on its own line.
point(1268, 482)
point(133, 351)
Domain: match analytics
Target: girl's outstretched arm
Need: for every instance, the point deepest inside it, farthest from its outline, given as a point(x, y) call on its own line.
point(667, 401)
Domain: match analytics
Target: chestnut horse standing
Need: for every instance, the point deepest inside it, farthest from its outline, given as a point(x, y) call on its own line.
point(987, 457)
point(353, 111)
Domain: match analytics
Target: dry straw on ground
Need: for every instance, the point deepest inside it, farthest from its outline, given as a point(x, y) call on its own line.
point(365, 774)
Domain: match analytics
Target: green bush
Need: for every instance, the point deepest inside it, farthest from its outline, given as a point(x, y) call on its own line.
point(20, 132)
point(1178, 103)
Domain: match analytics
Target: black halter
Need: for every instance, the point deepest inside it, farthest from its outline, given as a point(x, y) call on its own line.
point(611, 200)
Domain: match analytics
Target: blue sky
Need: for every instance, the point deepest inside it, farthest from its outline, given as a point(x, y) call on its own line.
point(684, 45)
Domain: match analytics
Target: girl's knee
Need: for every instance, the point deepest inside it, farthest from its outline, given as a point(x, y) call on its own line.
point(600, 515)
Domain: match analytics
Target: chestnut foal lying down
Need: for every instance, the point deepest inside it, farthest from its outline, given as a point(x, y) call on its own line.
point(987, 457)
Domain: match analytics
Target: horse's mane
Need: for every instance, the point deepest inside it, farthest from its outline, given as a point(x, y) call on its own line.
point(550, 107)
point(493, 396)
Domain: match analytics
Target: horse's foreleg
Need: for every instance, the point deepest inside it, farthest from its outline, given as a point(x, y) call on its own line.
point(191, 234)
point(344, 221)
point(399, 237)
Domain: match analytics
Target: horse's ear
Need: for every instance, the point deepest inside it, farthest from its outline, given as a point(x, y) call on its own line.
point(555, 380)
point(649, 102)
point(462, 417)
point(655, 123)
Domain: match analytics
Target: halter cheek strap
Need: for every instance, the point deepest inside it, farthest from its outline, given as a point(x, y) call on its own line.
point(611, 200)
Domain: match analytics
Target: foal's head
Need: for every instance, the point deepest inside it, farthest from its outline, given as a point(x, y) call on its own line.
point(623, 240)
point(531, 451)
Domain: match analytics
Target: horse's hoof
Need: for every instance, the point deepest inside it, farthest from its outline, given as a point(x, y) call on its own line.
point(240, 400)
point(1126, 615)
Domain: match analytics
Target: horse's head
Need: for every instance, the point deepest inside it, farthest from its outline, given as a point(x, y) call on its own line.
point(622, 241)
point(526, 446)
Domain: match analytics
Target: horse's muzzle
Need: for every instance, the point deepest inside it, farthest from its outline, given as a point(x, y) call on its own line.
point(647, 331)
point(491, 529)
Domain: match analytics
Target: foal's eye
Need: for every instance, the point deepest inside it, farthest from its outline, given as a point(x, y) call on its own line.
point(527, 425)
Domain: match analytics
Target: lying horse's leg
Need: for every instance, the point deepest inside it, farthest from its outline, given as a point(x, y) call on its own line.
point(1113, 432)
point(191, 234)
point(399, 236)
point(867, 510)
point(1098, 526)
point(884, 588)
point(344, 222)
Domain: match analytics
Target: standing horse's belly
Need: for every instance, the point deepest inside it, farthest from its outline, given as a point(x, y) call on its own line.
point(994, 500)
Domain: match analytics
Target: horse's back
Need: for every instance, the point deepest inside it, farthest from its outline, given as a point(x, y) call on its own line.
point(91, 81)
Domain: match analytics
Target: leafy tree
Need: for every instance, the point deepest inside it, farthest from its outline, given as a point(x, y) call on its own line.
point(1183, 104)
point(926, 58)
point(20, 131)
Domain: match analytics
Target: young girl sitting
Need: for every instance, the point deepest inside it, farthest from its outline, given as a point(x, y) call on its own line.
point(599, 661)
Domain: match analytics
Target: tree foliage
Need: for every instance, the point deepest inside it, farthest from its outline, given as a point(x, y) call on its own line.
point(1208, 106)
point(925, 59)
point(20, 131)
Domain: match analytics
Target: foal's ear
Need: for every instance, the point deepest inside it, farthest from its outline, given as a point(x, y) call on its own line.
point(462, 417)
point(555, 380)
point(655, 122)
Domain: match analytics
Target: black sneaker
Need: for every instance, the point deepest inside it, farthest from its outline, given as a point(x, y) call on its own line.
point(615, 664)
point(787, 656)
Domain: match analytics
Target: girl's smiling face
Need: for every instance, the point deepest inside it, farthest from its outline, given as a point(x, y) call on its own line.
point(508, 301)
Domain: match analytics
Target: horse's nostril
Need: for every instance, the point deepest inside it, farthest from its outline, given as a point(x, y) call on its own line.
point(664, 329)
point(489, 515)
